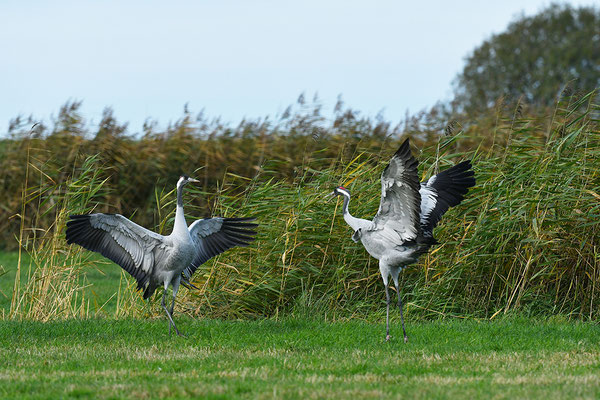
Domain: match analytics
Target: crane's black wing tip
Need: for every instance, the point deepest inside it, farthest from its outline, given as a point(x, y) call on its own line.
point(405, 158)
point(240, 219)
point(73, 217)
point(244, 226)
point(404, 148)
point(464, 165)
point(240, 223)
point(76, 226)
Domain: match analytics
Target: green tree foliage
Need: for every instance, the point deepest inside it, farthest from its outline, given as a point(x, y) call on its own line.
point(533, 60)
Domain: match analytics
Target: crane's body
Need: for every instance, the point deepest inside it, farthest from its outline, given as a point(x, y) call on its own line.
point(408, 212)
point(155, 260)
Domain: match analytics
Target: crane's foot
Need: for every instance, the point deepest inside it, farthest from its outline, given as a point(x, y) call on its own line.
point(387, 338)
point(405, 339)
point(176, 331)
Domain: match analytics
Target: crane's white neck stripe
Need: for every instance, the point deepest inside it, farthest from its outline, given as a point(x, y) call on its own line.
point(345, 193)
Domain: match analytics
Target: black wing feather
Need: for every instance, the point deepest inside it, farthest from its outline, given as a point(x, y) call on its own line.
point(232, 232)
point(450, 186)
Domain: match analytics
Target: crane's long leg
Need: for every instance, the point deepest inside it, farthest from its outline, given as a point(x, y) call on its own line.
point(395, 272)
point(401, 315)
point(171, 311)
point(172, 305)
point(387, 312)
point(169, 314)
point(176, 283)
point(385, 275)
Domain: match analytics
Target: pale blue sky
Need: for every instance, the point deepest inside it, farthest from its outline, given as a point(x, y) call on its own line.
point(237, 59)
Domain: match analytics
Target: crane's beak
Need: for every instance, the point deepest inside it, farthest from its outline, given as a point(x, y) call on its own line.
point(192, 180)
point(330, 196)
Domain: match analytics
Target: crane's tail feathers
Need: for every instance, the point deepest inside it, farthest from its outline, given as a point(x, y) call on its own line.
point(149, 291)
point(189, 284)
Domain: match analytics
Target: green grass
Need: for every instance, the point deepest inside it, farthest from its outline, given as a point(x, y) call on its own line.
point(515, 358)
point(8, 269)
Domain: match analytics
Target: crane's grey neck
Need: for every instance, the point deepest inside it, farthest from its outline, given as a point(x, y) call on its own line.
point(179, 195)
point(346, 202)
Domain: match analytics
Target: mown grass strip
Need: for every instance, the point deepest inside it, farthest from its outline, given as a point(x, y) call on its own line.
point(511, 358)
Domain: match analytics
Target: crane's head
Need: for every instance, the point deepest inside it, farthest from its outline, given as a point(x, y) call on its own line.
point(340, 191)
point(184, 180)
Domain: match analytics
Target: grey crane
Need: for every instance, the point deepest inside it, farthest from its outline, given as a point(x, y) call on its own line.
point(402, 229)
point(154, 259)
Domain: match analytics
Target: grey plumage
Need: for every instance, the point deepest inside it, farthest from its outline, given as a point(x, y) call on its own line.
point(402, 229)
point(154, 259)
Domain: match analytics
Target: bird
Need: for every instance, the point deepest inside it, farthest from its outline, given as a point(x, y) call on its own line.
point(409, 210)
point(155, 260)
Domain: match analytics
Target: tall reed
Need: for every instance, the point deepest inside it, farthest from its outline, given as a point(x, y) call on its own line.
point(56, 279)
point(524, 240)
point(526, 237)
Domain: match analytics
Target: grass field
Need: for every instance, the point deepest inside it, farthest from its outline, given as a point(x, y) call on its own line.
point(299, 359)
point(107, 358)
point(300, 312)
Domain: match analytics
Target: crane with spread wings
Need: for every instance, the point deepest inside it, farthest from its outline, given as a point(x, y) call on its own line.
point(409, 210)
point(155, 260)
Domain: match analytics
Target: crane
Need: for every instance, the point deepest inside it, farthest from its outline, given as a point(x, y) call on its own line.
point(153, 259)
point(409, 210)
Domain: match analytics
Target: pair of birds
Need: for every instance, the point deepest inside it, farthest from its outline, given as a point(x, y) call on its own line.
point(400, 232)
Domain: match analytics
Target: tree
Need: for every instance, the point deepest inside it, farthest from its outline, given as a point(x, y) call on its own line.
point(533, 60)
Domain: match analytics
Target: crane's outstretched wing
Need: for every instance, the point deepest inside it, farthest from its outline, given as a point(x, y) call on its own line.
point(118, 239)
point(400, 206)
point(213, 236)
point(443, 191)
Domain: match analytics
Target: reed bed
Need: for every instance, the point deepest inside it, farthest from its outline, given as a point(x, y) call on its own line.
point(524, 240)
